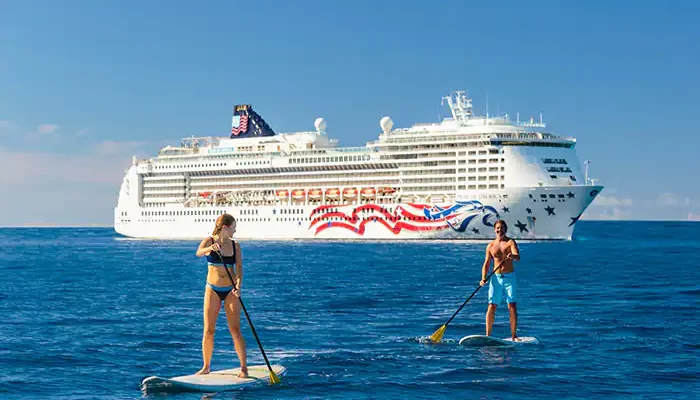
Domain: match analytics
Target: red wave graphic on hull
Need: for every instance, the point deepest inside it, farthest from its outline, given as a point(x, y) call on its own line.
point(385, 218)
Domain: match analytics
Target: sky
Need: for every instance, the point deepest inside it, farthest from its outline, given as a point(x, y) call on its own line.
point(85, 85)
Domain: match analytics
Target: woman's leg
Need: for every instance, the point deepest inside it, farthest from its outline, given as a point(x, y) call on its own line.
point(233, 316)
point(212, 305)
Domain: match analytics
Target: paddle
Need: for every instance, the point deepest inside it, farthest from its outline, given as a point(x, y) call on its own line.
point(273, 377)
point(437, 336)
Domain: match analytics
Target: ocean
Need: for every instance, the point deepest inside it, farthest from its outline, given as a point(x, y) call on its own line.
point(87, 314)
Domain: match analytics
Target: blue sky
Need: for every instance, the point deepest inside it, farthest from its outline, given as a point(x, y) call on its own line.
point(86, 84)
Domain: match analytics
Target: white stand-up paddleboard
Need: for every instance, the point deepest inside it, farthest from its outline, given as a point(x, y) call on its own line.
point(483, 340)
point(215, 381)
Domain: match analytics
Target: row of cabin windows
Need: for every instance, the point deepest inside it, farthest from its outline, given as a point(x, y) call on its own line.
point(189, 166)
point(307, 160)
point(213, 212)
point(573, 178)
point(299, 219)
point(558, 169)
point(484, 152)
point(482, 169)
point(317, 176)
point(481, 178)
point(483, 161)
point(211, 165)
point(292, 211)
point(181, 212)
point(176, 189)
point(218, 212)
point(480, 187)
point(554, 161)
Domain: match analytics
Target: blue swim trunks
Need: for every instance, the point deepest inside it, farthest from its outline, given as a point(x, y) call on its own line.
point(502, 285)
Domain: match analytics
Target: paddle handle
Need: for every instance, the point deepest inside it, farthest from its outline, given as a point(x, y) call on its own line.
point(257, 339)
point(472, 295)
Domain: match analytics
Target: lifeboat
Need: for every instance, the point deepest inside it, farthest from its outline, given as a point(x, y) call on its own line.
point(204, 194)
point(387, 190)
point(315, 194)
point(369, 193)
point(282, 194)
point(350, 193)
point(298, 194)
point(332, 194)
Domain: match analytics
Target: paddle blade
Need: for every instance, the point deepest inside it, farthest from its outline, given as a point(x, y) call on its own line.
point(274, 379)
point(437, 336)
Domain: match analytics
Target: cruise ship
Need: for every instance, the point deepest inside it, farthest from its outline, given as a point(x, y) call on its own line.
point(450, 179)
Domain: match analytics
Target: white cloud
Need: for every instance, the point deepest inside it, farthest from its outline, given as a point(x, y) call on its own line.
point(611, 201)
point(72, 205)
point(39, 168)
point(672, 200)
point(45, 188)
point(113, 147)
point(612, 213)
point(610, 207)
point(47, 128)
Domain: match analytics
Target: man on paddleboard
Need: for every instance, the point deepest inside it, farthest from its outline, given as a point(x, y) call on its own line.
point(503, 251)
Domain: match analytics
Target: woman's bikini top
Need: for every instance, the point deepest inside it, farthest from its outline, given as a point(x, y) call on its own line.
point(230, 261)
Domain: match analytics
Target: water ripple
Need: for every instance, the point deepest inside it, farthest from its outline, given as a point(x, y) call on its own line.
point(353, 320)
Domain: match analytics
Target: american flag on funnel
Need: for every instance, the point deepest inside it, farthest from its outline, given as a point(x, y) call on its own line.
point(239, 124)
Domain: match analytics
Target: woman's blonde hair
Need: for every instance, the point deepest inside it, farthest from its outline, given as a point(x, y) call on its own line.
point(223, 220)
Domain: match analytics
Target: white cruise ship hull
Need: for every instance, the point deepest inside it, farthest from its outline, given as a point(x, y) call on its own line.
point(537, 213)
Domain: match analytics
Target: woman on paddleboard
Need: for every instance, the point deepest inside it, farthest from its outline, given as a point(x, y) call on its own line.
point(220, 288)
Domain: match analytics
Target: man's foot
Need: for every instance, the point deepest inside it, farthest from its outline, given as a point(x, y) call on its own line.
point(243, 373)
point(516, 339)
point(203, 371)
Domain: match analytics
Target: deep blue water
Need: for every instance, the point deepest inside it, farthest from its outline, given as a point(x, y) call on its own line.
point(86, 314)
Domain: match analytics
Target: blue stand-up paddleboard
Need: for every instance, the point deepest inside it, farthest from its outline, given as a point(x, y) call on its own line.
point(215, 381)
point(483, 340)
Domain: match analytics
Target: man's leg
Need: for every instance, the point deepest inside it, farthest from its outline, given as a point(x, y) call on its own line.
point(495, 296)
point(510, 288)
point(513, 309)
point(490, 316)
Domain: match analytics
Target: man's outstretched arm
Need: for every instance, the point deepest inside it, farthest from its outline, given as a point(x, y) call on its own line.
point(514, 252)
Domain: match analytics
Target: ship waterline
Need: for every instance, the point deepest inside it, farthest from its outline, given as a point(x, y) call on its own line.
point(448, 180)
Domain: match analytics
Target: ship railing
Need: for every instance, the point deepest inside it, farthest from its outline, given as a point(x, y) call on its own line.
point(472, 137)
point(362, 149)
point(332, 150)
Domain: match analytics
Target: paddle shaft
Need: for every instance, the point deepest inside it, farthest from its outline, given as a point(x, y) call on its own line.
point(472, 295)
point(257, 339)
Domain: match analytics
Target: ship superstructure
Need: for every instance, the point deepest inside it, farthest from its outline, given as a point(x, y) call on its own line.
point(447, 180)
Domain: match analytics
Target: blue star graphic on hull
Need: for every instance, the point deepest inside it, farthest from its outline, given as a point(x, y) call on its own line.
point(529, 211)
point(521, 226)
point(550, 210)
point(575, 219)
point(571, 195)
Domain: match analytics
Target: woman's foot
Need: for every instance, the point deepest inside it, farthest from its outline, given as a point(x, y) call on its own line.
point(243, 373)
point(203, 371)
